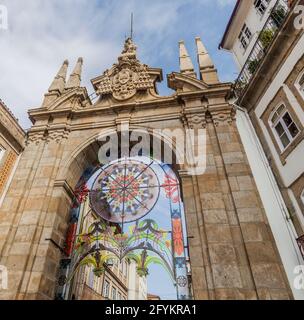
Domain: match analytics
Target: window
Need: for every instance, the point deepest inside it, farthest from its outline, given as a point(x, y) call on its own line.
point(245, 36)
point(283, 126)
point(2, 152)
point(113, 293)
point(95, 283)
point(302, 197)
point(91, 279)
point(300, 84)
point(106, 288)
point(125, 268)
point(118, 296)
point(261, 6)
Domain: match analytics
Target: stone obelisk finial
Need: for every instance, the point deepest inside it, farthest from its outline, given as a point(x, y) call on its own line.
point(75, 77)
point(58, 83)
point(57, 86)
point(185, 63)
point(208, 72)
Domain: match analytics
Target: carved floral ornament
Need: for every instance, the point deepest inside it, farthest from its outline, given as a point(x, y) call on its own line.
point(54, 135)
point(124, 79)
point(226, 116)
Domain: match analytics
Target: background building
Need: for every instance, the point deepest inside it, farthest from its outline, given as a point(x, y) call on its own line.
point(12, 139)
point(137, 286)
point(268, 48)
point(153, 297)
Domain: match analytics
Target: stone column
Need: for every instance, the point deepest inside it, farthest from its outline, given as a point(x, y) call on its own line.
point(31, 212)
point(260, 267)
point(196, 246)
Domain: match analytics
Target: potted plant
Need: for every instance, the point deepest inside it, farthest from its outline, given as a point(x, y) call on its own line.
point(265, 37)
point(278, 15)
point(252, 65)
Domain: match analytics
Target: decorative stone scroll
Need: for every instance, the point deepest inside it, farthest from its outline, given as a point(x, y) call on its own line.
point(48, 136)
point(223, 116)
point(194, 120)
point(124, 79)
point(57, 135)
point(35, 137)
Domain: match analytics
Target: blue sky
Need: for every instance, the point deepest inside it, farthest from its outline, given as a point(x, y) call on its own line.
point(43, 33)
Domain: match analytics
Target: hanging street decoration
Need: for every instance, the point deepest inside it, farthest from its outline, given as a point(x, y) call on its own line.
point(121, 198)
point(141, 239)
point(125, 191)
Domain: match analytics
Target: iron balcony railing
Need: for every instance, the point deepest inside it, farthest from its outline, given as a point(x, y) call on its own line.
point(265, 38)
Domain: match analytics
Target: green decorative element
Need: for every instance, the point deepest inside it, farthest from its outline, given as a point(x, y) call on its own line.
point(253, 65)
point(266, 37)
point(142, 272)
point(104, 242)
point(95, 258)
point(98, 272)
point(143, 260)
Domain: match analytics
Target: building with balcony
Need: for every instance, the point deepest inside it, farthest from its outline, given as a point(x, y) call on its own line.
point(267, 42)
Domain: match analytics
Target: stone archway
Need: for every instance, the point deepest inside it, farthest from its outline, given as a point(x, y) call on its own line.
point(232, 251)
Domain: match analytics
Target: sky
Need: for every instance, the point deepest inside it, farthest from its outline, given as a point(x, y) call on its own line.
point(42, 34)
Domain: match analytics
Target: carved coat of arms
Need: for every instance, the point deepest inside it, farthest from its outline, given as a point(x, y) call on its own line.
point(127, 77)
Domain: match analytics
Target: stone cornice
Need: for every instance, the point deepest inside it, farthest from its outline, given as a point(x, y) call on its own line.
point(11, 125)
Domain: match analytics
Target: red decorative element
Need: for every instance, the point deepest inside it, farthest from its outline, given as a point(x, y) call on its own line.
point(81, 193)
point(300, 242)
point(70, 238)
point(171, 188)
point(178, 242)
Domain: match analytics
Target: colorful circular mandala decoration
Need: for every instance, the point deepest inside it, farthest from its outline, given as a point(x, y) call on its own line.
point(125, 191)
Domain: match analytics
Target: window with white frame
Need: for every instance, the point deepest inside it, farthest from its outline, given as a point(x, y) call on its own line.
point(113, 293)
point(125, 268)
point(261, 6)
point(283, 126)
point(91, 279)
point(118, 296)
point(106, 289)
point(300, 83)
point(2, 152)
point(245, 36)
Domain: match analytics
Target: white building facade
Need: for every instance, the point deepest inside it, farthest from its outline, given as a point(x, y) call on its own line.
point(270, 92)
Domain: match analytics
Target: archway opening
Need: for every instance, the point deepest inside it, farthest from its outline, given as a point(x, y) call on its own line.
point(127, 221)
